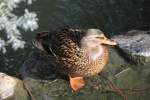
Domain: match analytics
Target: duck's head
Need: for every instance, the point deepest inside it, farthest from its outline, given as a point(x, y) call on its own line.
point(92, 43)
point(94, 38)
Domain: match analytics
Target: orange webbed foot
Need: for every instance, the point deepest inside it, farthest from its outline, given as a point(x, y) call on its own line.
point(76, 82)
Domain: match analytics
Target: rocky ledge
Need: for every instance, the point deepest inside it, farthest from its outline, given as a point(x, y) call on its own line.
point(126, 74)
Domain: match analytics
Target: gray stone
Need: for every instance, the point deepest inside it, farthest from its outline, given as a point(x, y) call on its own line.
point(12, 88)
point(135, 42)
point(134, 46)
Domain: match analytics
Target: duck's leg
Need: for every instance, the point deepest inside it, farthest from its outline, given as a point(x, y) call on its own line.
point(76, 82)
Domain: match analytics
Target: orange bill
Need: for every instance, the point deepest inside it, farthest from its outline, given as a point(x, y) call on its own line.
point(109, 42)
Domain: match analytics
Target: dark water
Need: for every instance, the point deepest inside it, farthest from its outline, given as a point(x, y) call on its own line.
point(111, 16)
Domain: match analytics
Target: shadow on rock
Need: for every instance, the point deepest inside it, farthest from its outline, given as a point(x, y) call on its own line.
point(41, 66)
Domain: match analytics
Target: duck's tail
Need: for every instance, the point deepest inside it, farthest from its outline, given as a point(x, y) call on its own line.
point(38, 41)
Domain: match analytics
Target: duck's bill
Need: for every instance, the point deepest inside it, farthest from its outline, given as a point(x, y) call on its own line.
point(109, 42)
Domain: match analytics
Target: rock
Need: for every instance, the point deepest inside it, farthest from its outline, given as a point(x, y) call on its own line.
point(12, 88)
point(134, 46)
point(135, 42)
point(45, 83)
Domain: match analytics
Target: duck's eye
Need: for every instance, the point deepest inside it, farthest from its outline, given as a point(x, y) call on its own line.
point(98, 37)
point(101, 37)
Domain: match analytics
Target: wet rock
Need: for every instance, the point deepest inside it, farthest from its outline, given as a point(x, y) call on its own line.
point(44, 82)
point(134, 46)
point(12, 88)
point(135, 42)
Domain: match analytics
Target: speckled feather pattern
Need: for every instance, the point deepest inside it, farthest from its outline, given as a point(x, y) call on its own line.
point(65, 44)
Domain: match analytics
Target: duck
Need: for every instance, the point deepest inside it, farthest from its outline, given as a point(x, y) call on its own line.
point(81, 52)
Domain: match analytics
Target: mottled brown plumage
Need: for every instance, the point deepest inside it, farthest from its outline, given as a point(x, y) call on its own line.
point(81, 52)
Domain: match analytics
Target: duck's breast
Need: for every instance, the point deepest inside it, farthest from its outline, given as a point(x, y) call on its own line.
point(95, 66)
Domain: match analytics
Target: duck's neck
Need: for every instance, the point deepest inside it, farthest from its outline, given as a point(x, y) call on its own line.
point(94, 53)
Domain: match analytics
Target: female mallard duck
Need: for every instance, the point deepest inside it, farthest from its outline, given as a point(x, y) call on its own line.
point(81, 52)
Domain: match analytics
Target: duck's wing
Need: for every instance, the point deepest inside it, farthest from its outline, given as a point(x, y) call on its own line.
point(41, 41)
point(65, 42)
